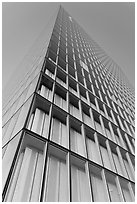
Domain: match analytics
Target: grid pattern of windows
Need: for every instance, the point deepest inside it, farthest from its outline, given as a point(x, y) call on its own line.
point(78, 141)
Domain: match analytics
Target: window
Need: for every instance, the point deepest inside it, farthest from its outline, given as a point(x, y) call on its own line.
point(45, 88)
point(117, 163)
point(97, 122)
point(86, 115)
point(45, 92)
point(50, 69)
point(99, 189)
point(93, 151)
point(107, 129)
point(25, 185)
point(74, 106)
point(125, 189)
point(113, 190)
point(105, 157)
point(129, 171)
point(79, 181)
point(39, 122)
point(59, 132)
point(72, 86)
point(7, 158)
point(56, 188)
point(61, 77)
point(60, 97)
point(26, 177)
point(77, 142)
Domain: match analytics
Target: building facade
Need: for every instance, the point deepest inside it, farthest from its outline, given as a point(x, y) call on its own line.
point(68, 127)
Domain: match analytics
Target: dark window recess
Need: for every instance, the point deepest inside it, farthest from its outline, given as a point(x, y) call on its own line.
point(86, 75)
point(73, 101)
point(82, 92)
point(92, 99)
point(108, 111)
point(104, 99)
point(85, 109)
point(52, 55)
point(96, 92)
point(46, 82)
point(70, 62)
point(61, 75)
point(62, 55)
point(54, 39)
point(72, 84)
point(71, 71)
point(89, 85)
point(61, 63)
point(63, 47)
point(101, 106)
point(60, 92)
point(50, 66)
point(106, 124)
point(96, 117)
point(80, 78)
point(53, 47)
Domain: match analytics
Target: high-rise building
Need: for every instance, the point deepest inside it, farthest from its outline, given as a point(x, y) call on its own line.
point(68, 124)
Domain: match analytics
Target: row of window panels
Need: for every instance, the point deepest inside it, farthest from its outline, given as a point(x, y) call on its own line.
point(11, 127)
point(25, 83)
point(70, 39)
point(59, 133)
point(83, 71)
point(127, 98)
point(115, 82)
point(16, 123)
point(67, 36)
point(72, 53)
point(11, 123)
point(115, 97)
point(92, 88)
point(66, 177)
point(62, 78)
point(70, 49)
point(123, 91)
point(62, 96)
point(63, 63)
point(20, 100)
point(123, 83)
point(70, 57)
point(84, 81)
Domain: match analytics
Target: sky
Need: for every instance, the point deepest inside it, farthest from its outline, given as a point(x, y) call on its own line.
point(111, 25)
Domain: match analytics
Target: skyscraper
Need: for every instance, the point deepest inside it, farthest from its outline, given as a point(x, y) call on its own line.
point(68, 126)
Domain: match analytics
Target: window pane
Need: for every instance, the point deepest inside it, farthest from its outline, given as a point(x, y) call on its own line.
point(59, 132)
point(113, 190)
point(25, 185)
point(77, 142)
point(93, 152)
point(57, 180)
point(8, 158)
point(39, 122)
point(98, 187)
point(80, 185)
point(125, 189)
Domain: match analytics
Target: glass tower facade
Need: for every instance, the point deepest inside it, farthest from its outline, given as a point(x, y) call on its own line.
point(68, 127)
